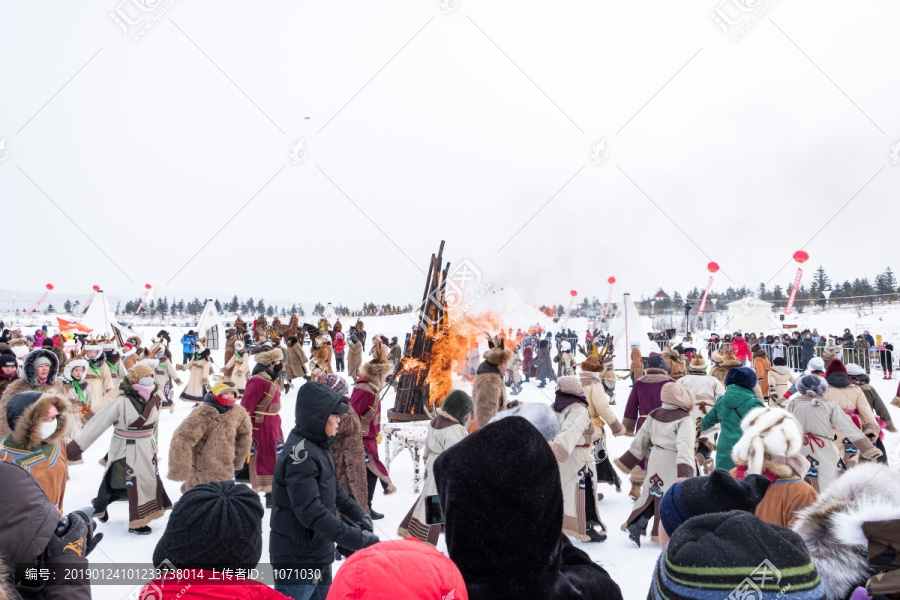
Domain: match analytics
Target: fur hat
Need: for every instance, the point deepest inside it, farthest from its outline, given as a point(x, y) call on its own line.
point(565, 346)
point(137, 372)
point(854, 369)
point(222, 387)
point(816, 364)
point(744, 377)
point(267, 357)
point(72, 365)
point(832, 527)
point(811, 385)
point(698, 365)
point(657, 362)
point(676, 395)
point(717, 492)
point(26, 412)
point(592, 363)
point(835, 366)
point(540, 415)
point(721, 355)
point(714, 553)
point(771, 434)
point(569, 384)
point(497, 354)
point(380, 363)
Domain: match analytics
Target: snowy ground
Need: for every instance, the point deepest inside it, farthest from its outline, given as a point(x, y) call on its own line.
point(631, 567)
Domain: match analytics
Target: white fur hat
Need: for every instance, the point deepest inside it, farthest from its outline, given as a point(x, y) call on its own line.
point(565, 346)
point(71, 365)
point(768, 430)
point(539, 415)
point(854, 369)
point(150, 362)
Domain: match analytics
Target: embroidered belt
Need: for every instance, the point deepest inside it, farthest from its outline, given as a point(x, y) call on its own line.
point(133, 434)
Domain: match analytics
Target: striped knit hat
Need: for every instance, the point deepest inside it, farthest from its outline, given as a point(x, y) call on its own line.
point(735, 554)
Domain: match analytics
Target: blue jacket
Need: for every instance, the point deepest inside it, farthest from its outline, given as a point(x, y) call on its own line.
point(188, 341)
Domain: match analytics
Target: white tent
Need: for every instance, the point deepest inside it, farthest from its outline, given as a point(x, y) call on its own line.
point(330, 314)
point(101, 319)
point(628, 327)
point(751, 314)
point(211, 326)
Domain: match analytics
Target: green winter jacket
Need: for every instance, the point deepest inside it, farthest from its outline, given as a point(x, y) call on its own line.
point(728, 411)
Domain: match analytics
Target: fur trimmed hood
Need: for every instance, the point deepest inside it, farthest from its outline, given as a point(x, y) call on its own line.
point(71, 366)
point(28, 366)
point(832, 527)
point(30, 417)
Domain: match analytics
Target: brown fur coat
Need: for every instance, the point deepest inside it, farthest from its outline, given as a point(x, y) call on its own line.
point(209, 446)
point(296, 361)
point(28, 383)
point(354, 358)
point(488, 394)
point(350, 459)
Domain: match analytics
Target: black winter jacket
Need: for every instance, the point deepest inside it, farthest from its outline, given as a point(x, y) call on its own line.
point(305, 491)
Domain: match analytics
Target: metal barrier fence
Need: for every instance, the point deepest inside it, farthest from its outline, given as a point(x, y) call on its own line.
point(792, 354)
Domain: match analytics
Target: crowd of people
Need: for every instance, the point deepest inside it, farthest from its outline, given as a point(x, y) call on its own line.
point(749, 477)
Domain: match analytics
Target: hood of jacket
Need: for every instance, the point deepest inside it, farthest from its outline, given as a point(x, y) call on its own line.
point(736, 396)
point(315, 403)
point(28, 366)
point(832, 527)
point(29, 418)
point(838, 380)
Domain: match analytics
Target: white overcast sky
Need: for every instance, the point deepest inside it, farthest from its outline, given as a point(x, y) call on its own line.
point(473, 124)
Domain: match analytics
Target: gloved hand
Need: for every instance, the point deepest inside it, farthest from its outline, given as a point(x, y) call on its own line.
point(73, 537)
point(379, 438)
point(369, 539)
point(366, 524)
point(73, 451)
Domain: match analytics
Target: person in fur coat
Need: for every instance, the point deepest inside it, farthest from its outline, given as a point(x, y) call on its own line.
point(667, 436)
point(705, 390)
point(60, 355)
point(644, 398)
point(771, 446)
point(354, 356)
point(79, 398)
point(40, 371)
point(212, 441)
point(601, 415)
point(347, 448)
point(366, 402)
point(238, 368)
point(572, 448)
point(200, 368)
point(262, 401)
point(544, 363)
point(38, 421)
point(675, 362)
point(834, 529)
point(488, 391)
point(321, 360)
point(296, 358)
point(725, 361)
point(113, 359)
point(449, 426)
point(564, 359)
point(820, 418)
point(131, 470)
point(762, 366)
point(780, 380)
point(98, 376)
point(882, 415)
point(636, 369)
point(862, 352)
point(851, 399)
point(164, 375)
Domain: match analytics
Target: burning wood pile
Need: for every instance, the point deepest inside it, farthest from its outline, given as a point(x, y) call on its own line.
point(423, 379)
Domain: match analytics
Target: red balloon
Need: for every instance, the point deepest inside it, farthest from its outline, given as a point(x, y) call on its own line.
point(147, 285)
point(712, 267)
point(96, 288)
point(573, 293)
point(800, 256)
point(611, 280)
point(49, 286)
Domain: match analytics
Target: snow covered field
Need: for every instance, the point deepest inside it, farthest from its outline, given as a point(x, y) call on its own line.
point(629, 566)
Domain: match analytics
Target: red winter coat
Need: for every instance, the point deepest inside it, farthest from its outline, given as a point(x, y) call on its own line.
point(741, 349)
point(206, 588)
point(382, 572)
point(339, 345)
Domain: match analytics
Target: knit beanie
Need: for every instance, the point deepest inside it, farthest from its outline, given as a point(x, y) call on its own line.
point(815, 364)
point(657, 362)
point(334, 381)
point(569, 384)
point(744, 377)
point(540, 415)
point(735, 554)
point(8, 359)
point(41, 360)
point(214, 525)
point(458, 404)
point(811, 385)
point(836, 365)
point(716, 492)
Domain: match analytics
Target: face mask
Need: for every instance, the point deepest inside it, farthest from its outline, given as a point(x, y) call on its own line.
point(20, 351)
point(48, 429)
point(277, 368)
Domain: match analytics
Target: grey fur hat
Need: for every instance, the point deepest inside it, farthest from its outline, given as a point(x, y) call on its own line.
point(539, 415)
point(811, 385)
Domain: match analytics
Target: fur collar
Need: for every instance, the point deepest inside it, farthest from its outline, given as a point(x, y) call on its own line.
point(655, 376)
